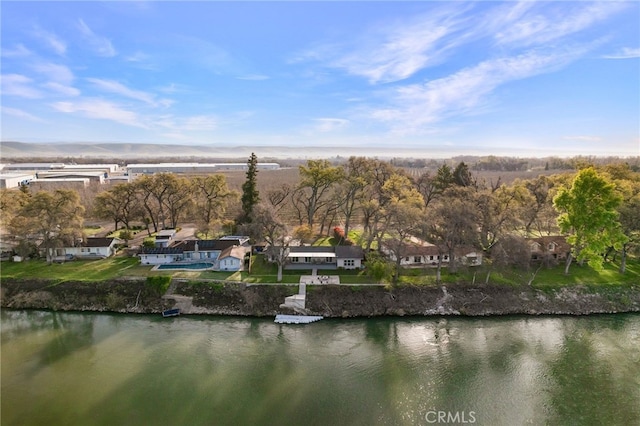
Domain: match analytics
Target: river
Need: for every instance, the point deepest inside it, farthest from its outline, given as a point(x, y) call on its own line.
point(109, 369)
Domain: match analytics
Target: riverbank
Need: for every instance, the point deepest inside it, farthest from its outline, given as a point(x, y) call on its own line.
point(220, 298)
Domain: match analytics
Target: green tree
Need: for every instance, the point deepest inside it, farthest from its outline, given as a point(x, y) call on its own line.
point(250, 194)
point(588, 214)
point(462, 175)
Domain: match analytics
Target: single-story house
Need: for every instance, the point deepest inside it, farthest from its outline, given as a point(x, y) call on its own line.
point(549, 248)
point(427, 255)
point(324, 257)
point(224, 254)
point(89, 248)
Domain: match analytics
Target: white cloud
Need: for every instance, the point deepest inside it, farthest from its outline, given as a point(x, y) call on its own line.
point(330, 124)
point(100, 109)
point(16, 52)
point(625, 53)
point(413, 107)
point(120, 89)
point(62, 89)
point(18, 113)
point(398, 51)
point(195, 123)
point(55, 72)
point(51, 40)
point(253, 77)
point(101, 45)
point(19, 85)
point(538, 23)
point(583, 138)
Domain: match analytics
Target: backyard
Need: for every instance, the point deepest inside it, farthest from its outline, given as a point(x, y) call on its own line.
point(263, 272)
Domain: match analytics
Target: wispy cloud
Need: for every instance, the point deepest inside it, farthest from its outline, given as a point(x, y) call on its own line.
point(120, 89)
point(330, 124)
point(101, 45)
point(419, 105)
point(253, 77)
point(55, 72)
point(100, 109)
point(196, 123)
point(624, 53)
point(583, 138)
point(537, 23)
point(18, 113)
point(397, 51)
point(18, 51)
point(51, 40)
point(19, 85)
point(62, 89)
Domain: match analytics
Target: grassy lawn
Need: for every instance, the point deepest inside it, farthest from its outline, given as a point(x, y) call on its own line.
point(263, 272)
point(79, 270)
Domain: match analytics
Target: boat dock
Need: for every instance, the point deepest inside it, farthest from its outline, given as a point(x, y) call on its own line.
point(297, 319)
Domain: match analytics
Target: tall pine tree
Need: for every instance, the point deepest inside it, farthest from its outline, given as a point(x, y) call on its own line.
point(250, 194)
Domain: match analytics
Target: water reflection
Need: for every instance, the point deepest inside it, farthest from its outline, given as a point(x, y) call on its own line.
point(76, 369)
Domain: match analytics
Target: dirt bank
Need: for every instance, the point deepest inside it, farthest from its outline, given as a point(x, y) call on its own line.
point(217, 298)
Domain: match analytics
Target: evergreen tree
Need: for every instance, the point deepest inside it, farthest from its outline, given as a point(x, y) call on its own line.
point(250, 194)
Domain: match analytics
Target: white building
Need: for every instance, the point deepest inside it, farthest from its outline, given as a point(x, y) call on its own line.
point(193, 168)
point(14, 180)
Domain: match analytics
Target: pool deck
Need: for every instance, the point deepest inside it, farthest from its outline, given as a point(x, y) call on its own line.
point(176, 266)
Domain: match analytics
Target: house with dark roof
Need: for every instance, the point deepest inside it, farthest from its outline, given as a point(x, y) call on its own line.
point(324, 257)
point(225, 254)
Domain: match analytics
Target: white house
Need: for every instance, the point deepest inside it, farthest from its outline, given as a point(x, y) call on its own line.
point(225, 254)
point(90, 248)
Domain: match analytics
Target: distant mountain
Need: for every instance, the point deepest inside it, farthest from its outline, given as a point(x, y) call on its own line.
point(11, 149)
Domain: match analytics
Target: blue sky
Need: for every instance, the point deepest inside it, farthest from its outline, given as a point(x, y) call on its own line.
point(455, 77)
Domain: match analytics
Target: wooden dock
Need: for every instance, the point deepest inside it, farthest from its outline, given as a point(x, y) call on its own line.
point(297, 319)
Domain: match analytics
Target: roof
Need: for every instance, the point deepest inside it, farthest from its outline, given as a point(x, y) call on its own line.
point(349, 252)
point(161, 250)
point(312, 254)
point(206, 245)
point(559, 240)
point(97, 242)
point(235, 251)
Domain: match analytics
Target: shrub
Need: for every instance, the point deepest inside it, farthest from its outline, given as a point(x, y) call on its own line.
point(159, 283)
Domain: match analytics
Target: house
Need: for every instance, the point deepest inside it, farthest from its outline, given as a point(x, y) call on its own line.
point(89, 248)
point(232, 258)
point(349, 257)
point(226, 254)
point(324, 257)
point(165, 237)
point(551, 248)
point(428, 255)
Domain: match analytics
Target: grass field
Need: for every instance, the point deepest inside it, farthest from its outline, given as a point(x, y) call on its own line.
point(263, 272)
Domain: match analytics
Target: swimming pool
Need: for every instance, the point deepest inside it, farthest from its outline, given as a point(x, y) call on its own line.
point(198, 266)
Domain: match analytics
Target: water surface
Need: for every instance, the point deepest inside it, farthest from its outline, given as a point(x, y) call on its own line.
point(107, 369)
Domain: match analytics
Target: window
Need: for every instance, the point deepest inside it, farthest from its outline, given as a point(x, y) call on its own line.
point(294, 260)
point(417, 259)
point(406, 259)
point(551, 247)
point(431, 257)
point(349, 262)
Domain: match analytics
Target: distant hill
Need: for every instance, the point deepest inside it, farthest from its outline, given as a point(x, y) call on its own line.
point(11, 149)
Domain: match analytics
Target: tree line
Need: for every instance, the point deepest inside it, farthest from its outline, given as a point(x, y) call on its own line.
point(597, 207)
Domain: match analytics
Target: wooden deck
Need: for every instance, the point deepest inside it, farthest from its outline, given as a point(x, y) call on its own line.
point(297, 319)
